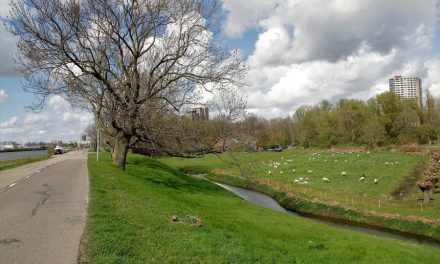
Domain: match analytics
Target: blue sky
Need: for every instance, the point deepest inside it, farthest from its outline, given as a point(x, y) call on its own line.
point(298, 52)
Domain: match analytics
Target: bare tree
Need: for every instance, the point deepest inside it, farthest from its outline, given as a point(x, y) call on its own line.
point(91, 133)
point(128, 62)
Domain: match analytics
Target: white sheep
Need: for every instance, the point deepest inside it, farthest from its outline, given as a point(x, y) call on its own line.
point(309, 171)
point(376, 181)
point(301, 178)
point(361, 178)
point(326, 179)
point(305, 182)
point(344, 173)
point(293, 170)
point(306, 179)
point(387, 163)
point(270, 172)
point(281, 172)
point(296, 181)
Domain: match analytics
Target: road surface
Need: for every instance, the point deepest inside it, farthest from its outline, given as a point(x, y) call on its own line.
point(43, 210)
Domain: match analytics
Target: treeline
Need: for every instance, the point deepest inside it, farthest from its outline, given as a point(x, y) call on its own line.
point(382, 120)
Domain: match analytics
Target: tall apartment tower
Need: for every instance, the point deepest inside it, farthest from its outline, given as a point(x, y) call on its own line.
point(199, 113)
point(407, 87)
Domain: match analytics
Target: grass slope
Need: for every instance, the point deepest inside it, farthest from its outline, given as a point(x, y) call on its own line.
point(9, 164)
point(344, 190)
point(129, 222)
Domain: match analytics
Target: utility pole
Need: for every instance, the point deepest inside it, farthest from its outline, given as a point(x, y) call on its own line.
point(97, 146)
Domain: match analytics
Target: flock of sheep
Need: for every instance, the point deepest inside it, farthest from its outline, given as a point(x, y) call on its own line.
point(304, 180)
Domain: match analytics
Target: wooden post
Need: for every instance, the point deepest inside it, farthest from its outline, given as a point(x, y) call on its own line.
point(379, 203)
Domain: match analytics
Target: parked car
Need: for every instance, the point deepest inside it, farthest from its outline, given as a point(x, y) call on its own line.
point(58, 150)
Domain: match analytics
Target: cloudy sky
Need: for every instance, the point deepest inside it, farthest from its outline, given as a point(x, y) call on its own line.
point(298, 52)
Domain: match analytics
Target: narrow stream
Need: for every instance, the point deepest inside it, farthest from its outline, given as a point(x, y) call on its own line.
point(268, 202)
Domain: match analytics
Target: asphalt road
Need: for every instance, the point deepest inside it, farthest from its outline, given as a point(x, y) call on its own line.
point(43, 210)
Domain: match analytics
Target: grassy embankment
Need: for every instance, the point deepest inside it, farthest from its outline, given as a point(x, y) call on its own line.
point(129, 221)
point(10, 164)
point(345, 197)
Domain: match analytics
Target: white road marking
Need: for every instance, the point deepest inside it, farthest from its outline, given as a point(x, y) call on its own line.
point(12, 184)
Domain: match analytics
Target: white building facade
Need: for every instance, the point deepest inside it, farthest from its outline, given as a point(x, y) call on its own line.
point(407, 87)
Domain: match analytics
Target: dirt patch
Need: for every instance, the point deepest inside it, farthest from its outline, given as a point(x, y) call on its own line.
point(406, 186)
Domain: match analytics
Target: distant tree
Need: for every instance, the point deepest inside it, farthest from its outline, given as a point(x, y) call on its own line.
point(91, 133)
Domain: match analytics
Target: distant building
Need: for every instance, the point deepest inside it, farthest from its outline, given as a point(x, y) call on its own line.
point(6, 146)
point(198, 113)
point(407, 87)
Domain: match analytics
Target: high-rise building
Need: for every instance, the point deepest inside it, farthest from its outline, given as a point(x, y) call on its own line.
point(199, 113)
point(407, 87)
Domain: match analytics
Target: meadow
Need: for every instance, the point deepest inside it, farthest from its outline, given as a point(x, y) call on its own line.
point(130, 221)
point(301, 172)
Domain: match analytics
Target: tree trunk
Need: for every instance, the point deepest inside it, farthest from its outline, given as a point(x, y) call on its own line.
point(120, 151)
point(432, 192)
point(426, 196)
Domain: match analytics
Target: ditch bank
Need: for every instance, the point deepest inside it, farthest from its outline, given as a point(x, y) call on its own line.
point(413, 228)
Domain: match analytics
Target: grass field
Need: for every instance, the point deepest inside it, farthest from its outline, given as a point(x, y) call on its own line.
point(393, 171)
point(9, 164)
point(129, 221)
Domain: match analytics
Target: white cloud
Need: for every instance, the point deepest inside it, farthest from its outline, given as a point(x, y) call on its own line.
point(3, 95)
point(312, 50)
point(7, 43)
point(57, 122)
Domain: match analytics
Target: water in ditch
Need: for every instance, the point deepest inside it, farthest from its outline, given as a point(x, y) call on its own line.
point(268, 202)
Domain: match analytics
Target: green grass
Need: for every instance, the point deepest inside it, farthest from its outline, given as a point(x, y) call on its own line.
point(9, 164)
point(343, 190)
point(129, 222)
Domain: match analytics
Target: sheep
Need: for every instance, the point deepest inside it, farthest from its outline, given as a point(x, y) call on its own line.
point(362, 178)
point(344, 173)
point(306, 179)
point(345, 161)
point(376, 181)
point(293, 170)
point(301, 178)
point(309, 171)
point(270, 172)
point(290, 161)
point(296, 181)
point(326, 180)
point(387, 163)
point(281, 172)
point(305, 182)
point(368, 152)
